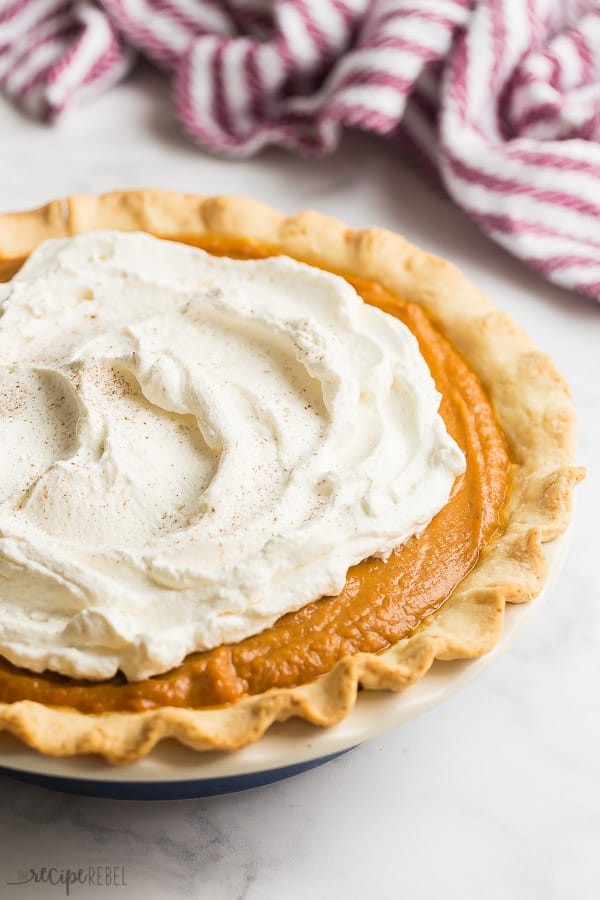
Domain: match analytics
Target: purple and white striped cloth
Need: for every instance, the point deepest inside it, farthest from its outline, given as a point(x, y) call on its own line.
point(499, 98)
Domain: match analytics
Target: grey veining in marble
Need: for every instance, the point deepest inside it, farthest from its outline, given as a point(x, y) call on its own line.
point(496, 793)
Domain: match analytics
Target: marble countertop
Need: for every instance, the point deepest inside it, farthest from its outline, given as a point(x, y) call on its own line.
point(494, 794)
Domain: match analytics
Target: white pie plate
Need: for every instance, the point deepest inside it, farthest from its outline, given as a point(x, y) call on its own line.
point(172, 771)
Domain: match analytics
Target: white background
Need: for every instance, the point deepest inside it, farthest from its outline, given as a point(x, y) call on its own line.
point(496, 793)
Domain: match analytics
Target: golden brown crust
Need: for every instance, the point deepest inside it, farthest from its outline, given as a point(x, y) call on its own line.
point(532, 403)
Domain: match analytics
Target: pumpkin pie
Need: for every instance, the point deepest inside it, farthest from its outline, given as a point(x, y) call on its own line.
point(178, 559)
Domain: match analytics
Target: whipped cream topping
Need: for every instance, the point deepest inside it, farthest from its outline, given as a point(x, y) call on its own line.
point(191, 447)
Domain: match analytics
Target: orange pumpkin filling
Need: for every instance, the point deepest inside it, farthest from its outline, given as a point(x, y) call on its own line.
point(381, 603)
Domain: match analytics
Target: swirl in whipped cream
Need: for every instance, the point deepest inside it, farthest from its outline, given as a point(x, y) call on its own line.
point(191, 447)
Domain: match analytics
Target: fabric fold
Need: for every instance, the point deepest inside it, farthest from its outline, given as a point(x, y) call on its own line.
point(499, 99)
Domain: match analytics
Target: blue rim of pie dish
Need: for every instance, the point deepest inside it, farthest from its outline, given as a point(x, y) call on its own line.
point(160, 790)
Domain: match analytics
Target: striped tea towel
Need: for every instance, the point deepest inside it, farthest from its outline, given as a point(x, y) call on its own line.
point(500, 99)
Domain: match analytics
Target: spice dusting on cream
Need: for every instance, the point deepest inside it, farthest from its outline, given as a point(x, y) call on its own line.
point(192, 446)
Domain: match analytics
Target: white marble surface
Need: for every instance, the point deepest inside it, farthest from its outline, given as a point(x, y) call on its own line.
point(495, 794)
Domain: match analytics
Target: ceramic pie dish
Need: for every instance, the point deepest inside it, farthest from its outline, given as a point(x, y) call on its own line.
point(502, 401)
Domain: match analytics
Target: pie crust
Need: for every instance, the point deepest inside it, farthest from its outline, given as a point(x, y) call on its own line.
point(532, 404)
